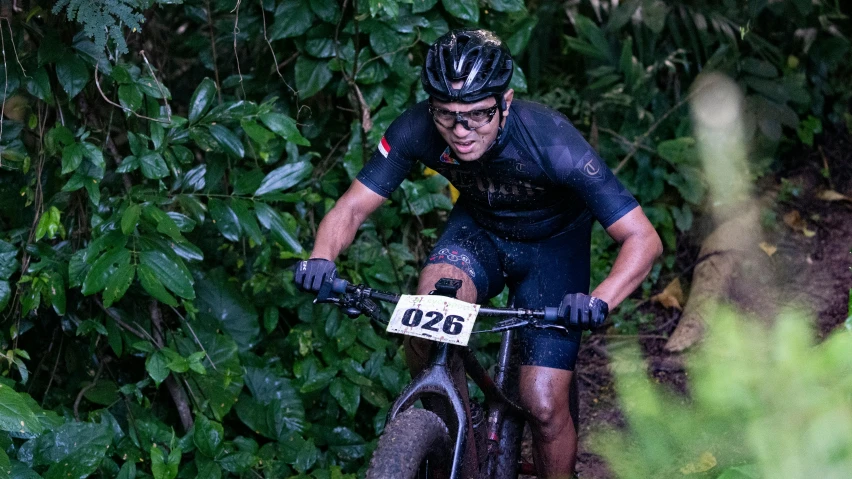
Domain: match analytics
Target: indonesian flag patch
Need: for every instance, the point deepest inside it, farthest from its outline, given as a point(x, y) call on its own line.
point(384, 147)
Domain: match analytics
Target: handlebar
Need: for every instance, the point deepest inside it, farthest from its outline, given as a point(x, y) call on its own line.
point(358, 299)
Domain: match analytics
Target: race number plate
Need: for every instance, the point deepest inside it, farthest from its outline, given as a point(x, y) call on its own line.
point(437, 318)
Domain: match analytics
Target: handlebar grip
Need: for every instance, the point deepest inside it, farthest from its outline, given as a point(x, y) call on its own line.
point(339, 285)
point(551, 313)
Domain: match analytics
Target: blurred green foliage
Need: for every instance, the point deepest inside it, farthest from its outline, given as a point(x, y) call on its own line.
point(764, 402)
point(153, 199)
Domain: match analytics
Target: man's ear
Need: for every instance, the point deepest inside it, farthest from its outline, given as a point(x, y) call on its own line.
point(508, 96)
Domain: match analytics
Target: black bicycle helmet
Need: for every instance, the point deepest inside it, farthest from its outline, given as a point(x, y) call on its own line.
point(475, 57)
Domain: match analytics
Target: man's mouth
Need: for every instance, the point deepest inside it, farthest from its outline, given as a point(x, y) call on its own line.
point(463, 146)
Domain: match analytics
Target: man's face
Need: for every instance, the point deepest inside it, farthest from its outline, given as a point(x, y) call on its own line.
point(470, 145)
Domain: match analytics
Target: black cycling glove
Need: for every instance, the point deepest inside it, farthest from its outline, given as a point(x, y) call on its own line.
point(312, 273)
point(583, 311)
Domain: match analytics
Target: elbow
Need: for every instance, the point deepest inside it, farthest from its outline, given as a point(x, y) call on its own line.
point(657, 246)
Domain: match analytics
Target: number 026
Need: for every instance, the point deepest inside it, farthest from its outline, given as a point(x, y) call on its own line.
point(413, 317)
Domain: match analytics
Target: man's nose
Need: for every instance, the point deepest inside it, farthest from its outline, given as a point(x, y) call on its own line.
point(459, 130)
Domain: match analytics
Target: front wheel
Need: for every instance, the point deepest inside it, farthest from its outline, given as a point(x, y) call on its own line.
point(407, 442)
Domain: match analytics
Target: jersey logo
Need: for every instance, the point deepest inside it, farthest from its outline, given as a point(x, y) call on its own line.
point(384, 147)
point(591, 167)
point(446, 158)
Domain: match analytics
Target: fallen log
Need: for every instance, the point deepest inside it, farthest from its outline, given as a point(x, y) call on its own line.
point(721, 257)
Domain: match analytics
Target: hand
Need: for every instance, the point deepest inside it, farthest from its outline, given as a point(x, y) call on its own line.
point(583, 311)
point(312, 273)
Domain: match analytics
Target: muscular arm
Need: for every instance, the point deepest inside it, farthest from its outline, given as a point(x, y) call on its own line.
point(640, 246)
point(337, 229)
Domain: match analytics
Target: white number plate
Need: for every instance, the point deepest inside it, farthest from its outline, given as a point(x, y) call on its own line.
point(437, 318)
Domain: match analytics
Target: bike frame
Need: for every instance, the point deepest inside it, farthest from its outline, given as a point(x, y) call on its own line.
point(436, 379)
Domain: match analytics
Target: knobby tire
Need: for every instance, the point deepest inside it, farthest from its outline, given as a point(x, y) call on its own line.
point(407, 442)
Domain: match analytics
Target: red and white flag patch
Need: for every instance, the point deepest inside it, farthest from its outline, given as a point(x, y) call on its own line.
point(384, 147)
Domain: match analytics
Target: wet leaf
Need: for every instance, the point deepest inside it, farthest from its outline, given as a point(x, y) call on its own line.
point(284, 177)
point(201, 99)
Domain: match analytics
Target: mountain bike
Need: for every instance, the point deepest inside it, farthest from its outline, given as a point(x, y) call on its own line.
point(417, 443)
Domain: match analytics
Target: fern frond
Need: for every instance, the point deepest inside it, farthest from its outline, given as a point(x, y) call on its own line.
point(103, 19)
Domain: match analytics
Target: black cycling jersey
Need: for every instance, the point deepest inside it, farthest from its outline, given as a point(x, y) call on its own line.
point(539, 178)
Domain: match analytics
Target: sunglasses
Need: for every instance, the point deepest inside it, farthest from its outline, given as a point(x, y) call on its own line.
point(470, 120)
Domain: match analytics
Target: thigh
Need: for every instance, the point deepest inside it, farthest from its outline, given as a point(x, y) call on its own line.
point(540, 274)
point(467, 247)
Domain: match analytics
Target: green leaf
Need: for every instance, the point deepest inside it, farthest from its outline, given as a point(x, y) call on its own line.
point(171, 272)
point(318, 380)
point(154, 89)
point(270, 318)
point(201, 99)
point(72, 157)
point(225, 219)
point(130, 218)
point(248, 223)
point(420, 6)
point(507, 6)
point(228, 140)
point(519, 80)
point(271, 220)
point(103, 392)
point(153, 166)
point(285, 177)
point(678, 151)
point(210, 470)
point(223, 306)
point(119, 283)
point(103, 269)
point(72, 73)
point(153, 286)
point(38, 84)
point(157, 366)
point(327, 10)
point(15, 414)
point(8, 260)
point(127, 471)
point(256, 132)
point(292, 18)
point(56, 292)
point(467, 10)
point(518, 41)
point(238, 462)
point(5, 294)
point(285, 127)
point(162, 467)
point(348, 395)
point(130, 97)
point(311, 76)
point(383, 39)
point(208, 436)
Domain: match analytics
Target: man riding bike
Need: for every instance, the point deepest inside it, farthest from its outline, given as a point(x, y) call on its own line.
point(531, 187)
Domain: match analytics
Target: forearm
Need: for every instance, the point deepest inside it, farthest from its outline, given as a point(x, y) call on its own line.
point(632, 265)
point(335, 233)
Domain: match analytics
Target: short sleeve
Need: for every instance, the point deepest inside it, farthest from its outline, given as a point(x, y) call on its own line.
point(573, 163)
point(391, 161)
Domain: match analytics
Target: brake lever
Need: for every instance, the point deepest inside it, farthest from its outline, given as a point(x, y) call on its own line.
point(326, 293)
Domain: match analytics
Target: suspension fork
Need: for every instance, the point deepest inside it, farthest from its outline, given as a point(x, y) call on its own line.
point(436, 379)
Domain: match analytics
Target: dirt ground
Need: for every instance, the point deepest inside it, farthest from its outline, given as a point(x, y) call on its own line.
point(812, 270)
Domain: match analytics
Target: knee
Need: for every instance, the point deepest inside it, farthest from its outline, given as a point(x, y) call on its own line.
point(548, 417)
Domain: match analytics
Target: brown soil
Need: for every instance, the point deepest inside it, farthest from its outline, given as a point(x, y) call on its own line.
point(811, 271)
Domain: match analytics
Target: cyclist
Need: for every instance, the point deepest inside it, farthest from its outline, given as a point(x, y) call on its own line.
point(531, 187)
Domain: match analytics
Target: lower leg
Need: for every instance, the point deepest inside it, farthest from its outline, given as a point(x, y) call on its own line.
point(545, 392)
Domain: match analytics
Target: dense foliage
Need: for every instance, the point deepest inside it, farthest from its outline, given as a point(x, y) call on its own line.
point(165, 162)
point(765, 402)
